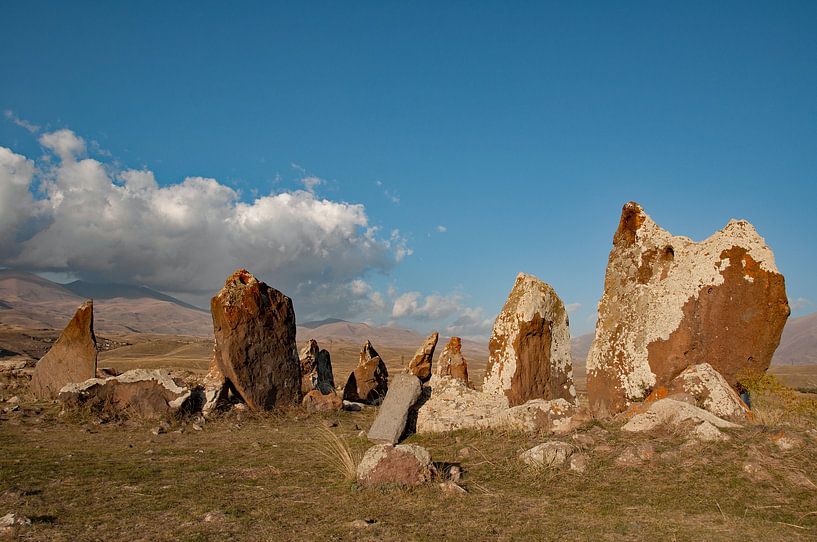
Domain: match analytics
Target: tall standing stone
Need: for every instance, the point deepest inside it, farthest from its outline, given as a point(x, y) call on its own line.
point(420, 364)
point(369, 382)
point(451, 362)
point(326, 378)
point(255, 349)
point(72, 358)
point(316, 369)
point(529, 349)
point(670, 303)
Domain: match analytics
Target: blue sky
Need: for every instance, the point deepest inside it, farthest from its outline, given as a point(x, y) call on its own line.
point(520, 129)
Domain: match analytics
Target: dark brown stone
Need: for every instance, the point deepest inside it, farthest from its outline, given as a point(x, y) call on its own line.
point(420, 364)
point(369, 382)
point(451, 362)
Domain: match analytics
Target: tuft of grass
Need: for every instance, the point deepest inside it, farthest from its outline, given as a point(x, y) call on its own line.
point(773, 403)
point(338, 452)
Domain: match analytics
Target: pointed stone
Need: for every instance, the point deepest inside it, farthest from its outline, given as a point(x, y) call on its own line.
point(670, 303)
point(420, 364)
point(326, 378)
point(72, 358)
point(369, 382)
point(529, 349)
point(254, 327)
point(309, 366)
point(451, 362)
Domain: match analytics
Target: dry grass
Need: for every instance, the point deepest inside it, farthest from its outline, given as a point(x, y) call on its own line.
point(776, 404)
point(336, 450)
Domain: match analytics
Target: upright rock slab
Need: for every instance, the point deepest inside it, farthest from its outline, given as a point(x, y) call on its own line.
point(309, 366)
point(369, 382)
point(529, 349)
point(420, 364)
point(391, 419)
point(670, 303)
point(254, 327)
point(452, 363)
point(71, 359)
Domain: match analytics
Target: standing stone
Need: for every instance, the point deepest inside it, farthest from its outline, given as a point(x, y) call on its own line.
point(326, 379)
point(529, 349)
point(309, 366)
point(670, 303)
point(71, 359)
point(255, 349)
point(369, 382)
point(420, 364)
point(452, 363)
point(391, 420)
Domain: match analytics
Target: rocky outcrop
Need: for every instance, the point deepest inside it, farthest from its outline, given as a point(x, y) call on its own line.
point(255, 349)
point(707, 389)
point(452, 363)
point(529, 349)
point(404, 465)
point(369, 382)
point(670, 303)
point(391, 419)
point(420, 364)
point(315, 401)
point(139, 392)
point(71, 359)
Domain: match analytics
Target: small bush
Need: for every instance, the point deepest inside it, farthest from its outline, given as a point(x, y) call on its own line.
point(773, 403)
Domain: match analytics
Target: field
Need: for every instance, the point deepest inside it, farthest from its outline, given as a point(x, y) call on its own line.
point(80, 476)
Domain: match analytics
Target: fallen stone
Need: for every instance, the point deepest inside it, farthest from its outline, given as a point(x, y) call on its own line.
point(420, 364)
point(706, 432)
point(529, 349)
point(403, 464)
point(391, 419)
point(254, 327)
point(315, 401)
point(452, 363)
point(579, 462)
point(139, 392)
point(709, 390)
point(670, 303)
point(72, 358)
point(536, 415)
point(369, 382)
point(629, 458)
point(675, 413)
point(548, 454)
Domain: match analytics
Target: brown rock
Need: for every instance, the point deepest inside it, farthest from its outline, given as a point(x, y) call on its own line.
point(420, 364)
point(369, 382)
point(529, 349)
point(315, 401)
point(139, 392)
point(670, 303)
point(255, 350)
point(71, 359)
point(309, 366)
point(404, 464)
point(451, 362)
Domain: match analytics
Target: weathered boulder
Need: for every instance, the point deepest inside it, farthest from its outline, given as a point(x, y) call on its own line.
point(420, 364)
point(139, 392)
point(670, 303)
point(709, 390)
point(309, 366)
point(529, 349)
point(451, 362)
point(255, 349)
point(315, 401)
point(677, 413)
point(548, 454)
point(71, 359)
point(404, 464)
point(391, 419)
point(369, 382)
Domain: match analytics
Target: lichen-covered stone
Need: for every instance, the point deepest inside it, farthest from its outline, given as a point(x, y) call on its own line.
point(548, 454)
point(391, 419)
point(139, 392)
point(710, 391)
point(529, 349)
point(72, 358)
point(670, 303)
point(452, 363)
point(369, 382)
point(404, 465)
point(254, 327)
point(675, 413)
point(420, 364)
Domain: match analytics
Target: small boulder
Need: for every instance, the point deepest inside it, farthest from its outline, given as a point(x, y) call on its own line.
point(72, 358)
point(391, 420)
point(140, 392)
point(548, 454)
point(579, 462)
point(452, 363)
point(710, 391)
point(369, 382)
point(678, 414)
point(403, 464)
point(420, 364)
point(315, 401)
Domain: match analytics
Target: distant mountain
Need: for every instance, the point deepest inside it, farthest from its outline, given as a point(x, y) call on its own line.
point(579, 348)
point(798, 345)
point(318, 323)
point(31, 301)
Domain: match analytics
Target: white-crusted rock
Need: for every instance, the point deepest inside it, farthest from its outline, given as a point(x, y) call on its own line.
point(553, 453)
